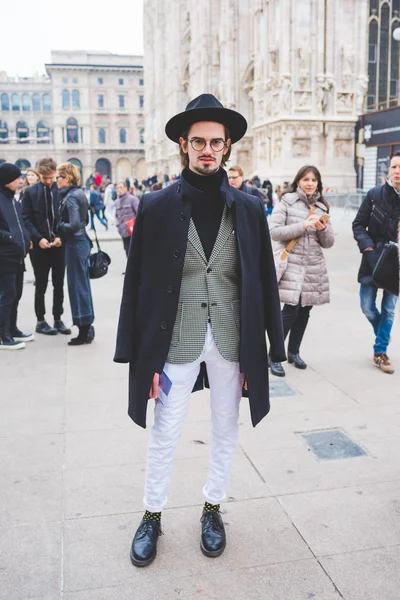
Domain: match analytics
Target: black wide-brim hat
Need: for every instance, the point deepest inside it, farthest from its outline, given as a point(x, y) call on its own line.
point(206, 107)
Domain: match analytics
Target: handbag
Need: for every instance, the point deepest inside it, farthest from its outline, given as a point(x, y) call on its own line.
point(130, 224)
point(98, 261)
point(281, 262)
point(386, 271)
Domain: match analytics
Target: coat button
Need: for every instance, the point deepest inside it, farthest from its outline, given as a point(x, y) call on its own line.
point(209, 270)
point(169, 289)
point(163, 325)
point(204, 305)
point(177, 254)
point(182, 216)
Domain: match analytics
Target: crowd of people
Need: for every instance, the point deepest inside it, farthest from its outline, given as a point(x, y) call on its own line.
point(206, 277)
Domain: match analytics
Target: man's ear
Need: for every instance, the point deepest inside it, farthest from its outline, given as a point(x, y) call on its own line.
point(228, 145)
point(183, 145)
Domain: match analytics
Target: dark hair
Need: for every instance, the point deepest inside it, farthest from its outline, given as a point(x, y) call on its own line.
point(394, 155)
point(155, 187)
point(185, 156)
point(302, 173)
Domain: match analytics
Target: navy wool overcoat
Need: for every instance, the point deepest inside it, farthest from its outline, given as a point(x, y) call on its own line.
point(151, 293)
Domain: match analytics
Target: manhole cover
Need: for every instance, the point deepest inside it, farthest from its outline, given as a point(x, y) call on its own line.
point(332, 444)
point(280, 388)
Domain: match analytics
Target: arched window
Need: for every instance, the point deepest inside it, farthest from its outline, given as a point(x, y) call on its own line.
point(103, 166)
point(22, 131)
point(43, 133)
point(15, 102)
point(5, 102)
point(46, 103)
point(122, 136)
point(72, 131)
point(76, 99)
point(3, 132)
point(142, 135)
point(102, 136)
point(65, 99)
point(26, 103)
point(36, 103)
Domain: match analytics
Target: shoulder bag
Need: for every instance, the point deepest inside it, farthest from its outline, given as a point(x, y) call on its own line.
point(387, 270)
point(98, 261)
point(281, 262)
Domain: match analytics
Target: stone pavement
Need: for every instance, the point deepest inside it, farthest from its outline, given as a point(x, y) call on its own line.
point(299, 528)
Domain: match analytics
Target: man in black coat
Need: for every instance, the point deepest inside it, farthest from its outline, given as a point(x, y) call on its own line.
point(376, 223)
point(41, 213)
point(14, 245)
point(200, 291)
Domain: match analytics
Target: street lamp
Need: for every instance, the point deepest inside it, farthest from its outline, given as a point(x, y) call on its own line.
point(396, 34)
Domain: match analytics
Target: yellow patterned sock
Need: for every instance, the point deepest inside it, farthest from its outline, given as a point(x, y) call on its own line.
point(149, 516)
point(208, 507)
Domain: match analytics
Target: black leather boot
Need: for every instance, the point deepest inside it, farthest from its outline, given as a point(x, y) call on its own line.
point(213, 538)
point(296, 360)
point(144, 545)
point(61, 328)
point(85, 336)
point(276, 368)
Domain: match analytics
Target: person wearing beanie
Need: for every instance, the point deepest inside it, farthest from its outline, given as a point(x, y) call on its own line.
point(14, 245)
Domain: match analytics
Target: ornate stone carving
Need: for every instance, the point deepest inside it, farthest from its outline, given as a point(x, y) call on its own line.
point(344, 101)
point(277, 148)
point(325, 84)
point(301, 147)
point(286, 93)
point(303, 100)
point(361, 91)
point(303, 66)
point(343, 148)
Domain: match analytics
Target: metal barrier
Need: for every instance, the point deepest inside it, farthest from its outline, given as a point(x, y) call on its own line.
point(349, 201)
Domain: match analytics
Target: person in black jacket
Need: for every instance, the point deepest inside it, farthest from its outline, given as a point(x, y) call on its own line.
point(200, 292)
point(72, 229)
point(376, 223)
point(14, 244)
point(236, 179)
point(41, 213)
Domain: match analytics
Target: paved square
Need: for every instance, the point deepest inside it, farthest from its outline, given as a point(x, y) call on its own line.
point(332, 444)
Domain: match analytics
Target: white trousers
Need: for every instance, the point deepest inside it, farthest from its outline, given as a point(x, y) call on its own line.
point(225, 391)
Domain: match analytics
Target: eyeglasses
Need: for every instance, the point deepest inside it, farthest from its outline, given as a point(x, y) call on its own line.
point(233, 177)
point(198, 144)
point(60, 176)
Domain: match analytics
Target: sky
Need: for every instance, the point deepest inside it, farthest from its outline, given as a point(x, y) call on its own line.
point(33, 28)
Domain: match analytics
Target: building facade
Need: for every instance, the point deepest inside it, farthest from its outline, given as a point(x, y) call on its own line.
point(296, 69)
point(88, 110)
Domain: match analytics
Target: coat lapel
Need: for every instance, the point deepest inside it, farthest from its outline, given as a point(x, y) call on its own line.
point(225, 230)
point(193, 238)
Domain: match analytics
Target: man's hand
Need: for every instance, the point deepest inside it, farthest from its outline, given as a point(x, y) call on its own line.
point(369, 249)
point(154, 386)
point(57, 243)
point(44, 244)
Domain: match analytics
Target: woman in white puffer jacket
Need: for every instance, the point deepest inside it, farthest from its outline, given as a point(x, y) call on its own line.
point(305, 282)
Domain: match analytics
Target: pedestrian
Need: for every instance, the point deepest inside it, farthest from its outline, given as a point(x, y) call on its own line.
point(377, 223)
point(126, 209)
point(200, 290)
point(236, 179)
point(32, 177)
point(109, 202)
point(96, 207)
point(267, 189)
point(14, 245)
point(41, 214)
point(156, 186)
point(302, 215)
point(72, 229)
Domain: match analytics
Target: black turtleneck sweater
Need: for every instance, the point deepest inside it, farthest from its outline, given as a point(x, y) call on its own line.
point(208, 207)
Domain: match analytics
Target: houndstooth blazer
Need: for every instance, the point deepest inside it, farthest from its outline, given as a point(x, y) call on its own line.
point(209, 293)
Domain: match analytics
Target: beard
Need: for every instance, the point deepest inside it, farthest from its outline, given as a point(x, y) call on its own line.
point(206, 169)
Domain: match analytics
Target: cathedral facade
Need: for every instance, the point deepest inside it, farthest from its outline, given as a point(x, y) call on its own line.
point(296, 69)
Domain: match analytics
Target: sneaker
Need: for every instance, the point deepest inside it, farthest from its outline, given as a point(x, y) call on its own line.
point(18, 336)
point(8, 343)
point(43, 327)
point(383, 363)
point(61, 328)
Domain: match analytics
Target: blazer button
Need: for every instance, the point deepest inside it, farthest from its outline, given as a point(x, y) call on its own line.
point(177, 254)
point(209, 270)
point(182, 216)
point(163, 325)
point(204, 305)
point(169, 289)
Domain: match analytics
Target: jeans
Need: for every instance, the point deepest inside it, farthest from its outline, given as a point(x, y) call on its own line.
point(43, 261)
point(295, 319)
point(19, 286)
point(102, 220)
point(80, 294)
point(381, 322)
point(126, 241)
